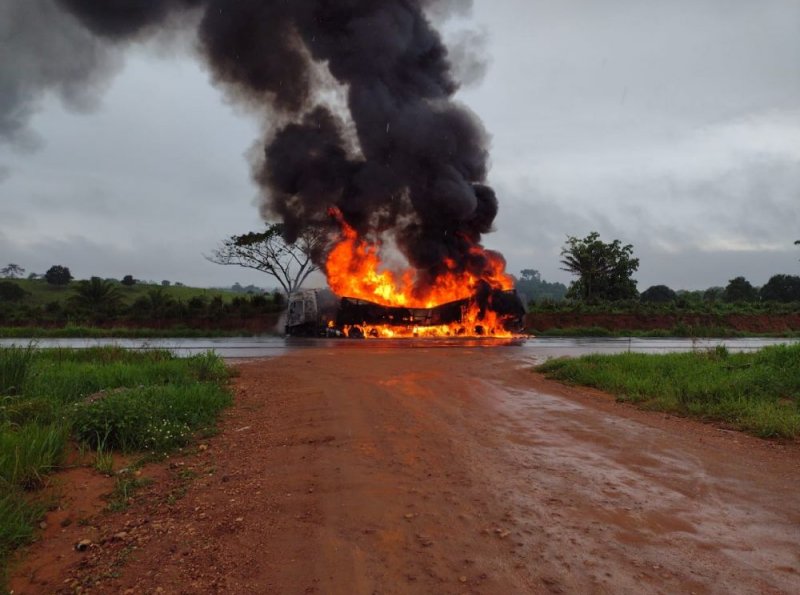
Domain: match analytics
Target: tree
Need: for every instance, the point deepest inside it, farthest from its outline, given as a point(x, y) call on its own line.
point(97, 295)
point(713, 294)
point(58, 275)
point(658, 294)
point(12, 271)
point(781, 288)
point(604, 270)
point(157, 304)
point(739, 289)
point(534, 288)
point(128, 281)
point(268, 252)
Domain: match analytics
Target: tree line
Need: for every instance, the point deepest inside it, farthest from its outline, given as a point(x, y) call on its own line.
point(100, 301)
point(604, 273)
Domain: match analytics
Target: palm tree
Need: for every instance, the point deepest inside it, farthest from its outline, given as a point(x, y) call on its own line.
point(97, 295)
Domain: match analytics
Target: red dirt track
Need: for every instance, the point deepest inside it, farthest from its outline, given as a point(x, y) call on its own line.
point(372, 469)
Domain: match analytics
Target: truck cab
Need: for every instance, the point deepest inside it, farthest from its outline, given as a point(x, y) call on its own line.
point(311, 313)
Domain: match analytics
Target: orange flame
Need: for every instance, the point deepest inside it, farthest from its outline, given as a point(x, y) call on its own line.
point(354, 269)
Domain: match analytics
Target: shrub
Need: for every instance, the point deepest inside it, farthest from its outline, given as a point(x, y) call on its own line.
point(658, 294)
point(11, 292)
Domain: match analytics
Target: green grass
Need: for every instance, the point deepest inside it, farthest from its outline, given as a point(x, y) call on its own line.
point(15, 363)
point(756, 392)
point(104, 461)
point(29, 452)
point(156, 418)
point(18, 516)
point(106, 398)
point(124, 490)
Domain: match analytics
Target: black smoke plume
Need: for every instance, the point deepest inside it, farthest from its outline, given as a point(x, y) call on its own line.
point(405, 159)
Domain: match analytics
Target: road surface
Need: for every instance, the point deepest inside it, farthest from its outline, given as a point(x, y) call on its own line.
point(447, 470)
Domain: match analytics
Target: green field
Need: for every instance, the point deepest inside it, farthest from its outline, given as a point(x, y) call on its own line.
point(755, 392)
point(102, 400)
point(41, 293)
point(93, 332)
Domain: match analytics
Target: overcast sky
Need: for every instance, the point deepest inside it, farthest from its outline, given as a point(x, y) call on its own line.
point(673, 126)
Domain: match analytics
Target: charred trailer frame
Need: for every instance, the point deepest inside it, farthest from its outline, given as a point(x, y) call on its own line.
point(320, 313)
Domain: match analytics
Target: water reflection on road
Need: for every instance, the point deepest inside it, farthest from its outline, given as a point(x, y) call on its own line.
point(535, 349)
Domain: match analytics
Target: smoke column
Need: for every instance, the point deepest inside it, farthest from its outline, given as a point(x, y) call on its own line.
point(406, 160)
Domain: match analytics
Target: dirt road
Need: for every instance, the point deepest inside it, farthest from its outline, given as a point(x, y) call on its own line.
point(379, 470)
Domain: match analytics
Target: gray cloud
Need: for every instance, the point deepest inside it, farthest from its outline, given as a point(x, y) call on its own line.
point(50, 54)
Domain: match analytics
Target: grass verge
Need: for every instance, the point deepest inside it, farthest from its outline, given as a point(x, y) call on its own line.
point(756, 392)
point(106, 399)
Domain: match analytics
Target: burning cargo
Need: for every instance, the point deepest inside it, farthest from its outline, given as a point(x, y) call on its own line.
point(319, 312)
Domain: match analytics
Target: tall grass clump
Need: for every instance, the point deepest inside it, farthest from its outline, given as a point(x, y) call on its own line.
point(15, 365)
point(757, 392)
point(29, 452)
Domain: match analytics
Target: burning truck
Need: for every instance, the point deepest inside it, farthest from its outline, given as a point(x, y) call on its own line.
point(362, 140)
point(321, 313)
point(368, 299)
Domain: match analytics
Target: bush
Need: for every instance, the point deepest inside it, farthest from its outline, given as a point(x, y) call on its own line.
point(659, 294)
point(11, 292)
